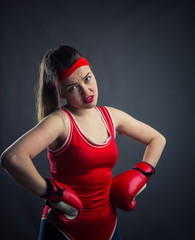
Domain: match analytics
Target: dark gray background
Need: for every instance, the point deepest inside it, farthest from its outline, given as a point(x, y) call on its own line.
point(142, 53)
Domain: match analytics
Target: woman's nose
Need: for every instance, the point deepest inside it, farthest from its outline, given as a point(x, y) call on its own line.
point(85, 90)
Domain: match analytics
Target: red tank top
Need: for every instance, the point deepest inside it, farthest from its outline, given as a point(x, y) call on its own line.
point(86, 167)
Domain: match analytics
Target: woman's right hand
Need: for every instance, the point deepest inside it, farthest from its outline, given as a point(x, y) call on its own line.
point(64, 202)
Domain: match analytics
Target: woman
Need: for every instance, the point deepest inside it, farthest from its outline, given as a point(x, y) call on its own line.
point(79, 137)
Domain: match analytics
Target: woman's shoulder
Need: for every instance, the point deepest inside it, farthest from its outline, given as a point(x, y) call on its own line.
point(57, 124)
point(118, 115)
point(116, 111)
point(57, 118)
point(59, 113)
point(113, 111)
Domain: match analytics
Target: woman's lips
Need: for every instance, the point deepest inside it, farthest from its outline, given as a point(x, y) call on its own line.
point(88, 99)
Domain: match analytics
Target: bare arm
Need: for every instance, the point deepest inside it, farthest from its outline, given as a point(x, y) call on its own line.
point(17, 159)
point(130, 127)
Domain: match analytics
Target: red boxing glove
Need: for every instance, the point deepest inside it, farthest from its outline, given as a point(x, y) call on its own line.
point(126, 186)
point(65, 203)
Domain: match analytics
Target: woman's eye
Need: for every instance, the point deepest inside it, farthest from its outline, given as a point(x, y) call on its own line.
point(72, 88)
point(87, 78)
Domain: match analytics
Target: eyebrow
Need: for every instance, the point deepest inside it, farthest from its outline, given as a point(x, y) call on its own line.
point(72, 84)
point(86, 75)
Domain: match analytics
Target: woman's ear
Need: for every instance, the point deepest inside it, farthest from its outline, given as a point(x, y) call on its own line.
point(63, 101)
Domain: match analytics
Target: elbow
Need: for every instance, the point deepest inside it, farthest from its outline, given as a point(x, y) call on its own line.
point(7, 160)
point(3, 159)
point(162, 140)
point(159, 139)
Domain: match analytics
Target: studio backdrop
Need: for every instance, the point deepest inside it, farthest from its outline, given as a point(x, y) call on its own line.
point(142, 54)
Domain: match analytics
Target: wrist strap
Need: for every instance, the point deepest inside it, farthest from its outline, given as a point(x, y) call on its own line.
point(147, 174)
point(49, 189)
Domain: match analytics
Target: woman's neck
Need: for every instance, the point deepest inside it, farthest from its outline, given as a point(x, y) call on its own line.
point(82, 112)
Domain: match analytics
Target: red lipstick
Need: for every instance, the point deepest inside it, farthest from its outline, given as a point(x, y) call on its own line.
point(88, 99)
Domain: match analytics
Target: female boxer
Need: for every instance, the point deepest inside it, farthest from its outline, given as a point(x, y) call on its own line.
point(81, 197)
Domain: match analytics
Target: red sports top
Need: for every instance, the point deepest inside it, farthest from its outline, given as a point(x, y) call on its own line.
point(86, 167)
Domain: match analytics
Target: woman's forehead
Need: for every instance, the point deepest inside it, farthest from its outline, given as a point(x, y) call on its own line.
point(79, 73)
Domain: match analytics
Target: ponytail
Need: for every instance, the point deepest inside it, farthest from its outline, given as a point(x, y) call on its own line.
point(48, 99)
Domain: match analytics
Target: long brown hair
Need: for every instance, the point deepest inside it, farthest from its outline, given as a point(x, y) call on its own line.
point(53, 63)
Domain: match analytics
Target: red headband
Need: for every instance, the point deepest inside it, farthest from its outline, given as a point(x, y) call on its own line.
point(68, 71)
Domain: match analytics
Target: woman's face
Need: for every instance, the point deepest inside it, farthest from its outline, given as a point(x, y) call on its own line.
point(80, 89)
